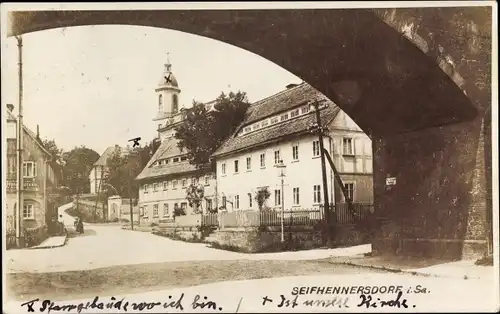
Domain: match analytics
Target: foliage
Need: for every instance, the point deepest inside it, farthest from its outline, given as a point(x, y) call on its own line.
point(179, 211)
point(261, 196)
point(78, 163)
point(202, 131)
point(194, 195)
point(122, 168)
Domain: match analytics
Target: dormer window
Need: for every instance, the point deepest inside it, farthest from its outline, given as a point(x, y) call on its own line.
point(160, 126)
point(248, 129)
point(284, 117)
point(160, 162)
point(294, 113)
point(265, 123)
point(305, 109)
point(176, 159)
point(256, 126)
point(274, 120)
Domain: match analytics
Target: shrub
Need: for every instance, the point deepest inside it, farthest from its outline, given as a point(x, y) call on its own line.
point(35, 236)
point(153, 224)
point(485, 261)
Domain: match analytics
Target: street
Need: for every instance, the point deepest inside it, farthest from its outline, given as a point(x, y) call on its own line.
point(107, 258)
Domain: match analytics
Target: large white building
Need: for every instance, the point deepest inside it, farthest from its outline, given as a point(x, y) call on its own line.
point(277, 129)
point(164, 180)
point(98, 172)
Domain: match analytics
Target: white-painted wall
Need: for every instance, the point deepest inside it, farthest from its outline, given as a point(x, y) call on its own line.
point(303, 173)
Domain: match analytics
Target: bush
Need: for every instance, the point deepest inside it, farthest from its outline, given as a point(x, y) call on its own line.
point(485, 261)
point(153, 224)
point(35, 236)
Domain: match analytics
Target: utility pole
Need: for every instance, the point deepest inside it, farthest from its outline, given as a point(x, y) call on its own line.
point(20, 161)
point(131, 180)
point(323, 166)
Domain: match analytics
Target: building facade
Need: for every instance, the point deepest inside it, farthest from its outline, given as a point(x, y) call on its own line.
point(277, 129)
point(40, 180)
point(168, 174)
point(98, 172)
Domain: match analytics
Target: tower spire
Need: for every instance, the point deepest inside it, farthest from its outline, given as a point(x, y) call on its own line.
point(168, 65)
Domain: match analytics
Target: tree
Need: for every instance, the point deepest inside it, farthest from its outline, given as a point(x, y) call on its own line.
point(194, 195)
point(78, 164)
point(122, 169)
point(261, 196)
point(202, 132)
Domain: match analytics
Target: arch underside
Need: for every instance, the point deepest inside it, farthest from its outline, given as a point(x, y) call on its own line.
point(385, 83)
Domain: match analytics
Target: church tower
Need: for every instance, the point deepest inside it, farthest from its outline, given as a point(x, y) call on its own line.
point(167, 98)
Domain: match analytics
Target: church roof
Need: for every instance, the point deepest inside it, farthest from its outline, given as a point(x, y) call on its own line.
point(282, 101)
point(168, 148)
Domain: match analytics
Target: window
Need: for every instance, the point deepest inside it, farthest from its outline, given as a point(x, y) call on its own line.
point(155, 210)
point(160, 103)
point(236, 166)
point(166, 161)
point(248, 129)
point(295, 152)
point(28, 211)
point(165, 185)
point(350, 190)
point(294, 113)
point(347, 146)
point(296, 198)
point(183, 158)
point(146, 188)
point(317, 194)
point(160, 162)
point(250, 204)
point(12, 165)
point(262, 160)
point(249, 163)
point(274, 120)
point(276, 157)
point(174, 184)
point(155, 187)
point(165, 210)
point(146, 211)
point(265, 123)
point(284, 117)
point(29, 169)
point(194, 181)
point(209, 205)
point(175, 103)
point(305, 109)
point(184, 182)
point(141, 211)
point(176, 159)
point(223, 168)
point(236, 201)
point(207, 180)
point(315, 148)
point(277, 197)
point(256, 126)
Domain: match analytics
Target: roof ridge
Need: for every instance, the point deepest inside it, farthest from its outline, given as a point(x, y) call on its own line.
point(276, 94)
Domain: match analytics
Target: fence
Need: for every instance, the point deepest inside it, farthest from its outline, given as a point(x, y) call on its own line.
point(299, 217)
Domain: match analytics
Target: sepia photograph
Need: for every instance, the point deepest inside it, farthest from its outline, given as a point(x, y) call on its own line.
point(243, 157)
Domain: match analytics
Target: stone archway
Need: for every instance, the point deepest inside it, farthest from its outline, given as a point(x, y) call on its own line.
point(405, 76)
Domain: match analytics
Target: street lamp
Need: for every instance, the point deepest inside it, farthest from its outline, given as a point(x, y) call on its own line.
point(282, 168)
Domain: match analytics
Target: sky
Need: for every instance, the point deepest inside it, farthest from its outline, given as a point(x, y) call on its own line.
point(94, 85)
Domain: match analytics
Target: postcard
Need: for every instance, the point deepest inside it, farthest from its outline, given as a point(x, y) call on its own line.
point(250, 157)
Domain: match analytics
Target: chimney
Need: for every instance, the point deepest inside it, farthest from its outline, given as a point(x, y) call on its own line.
point(37, 131)
point(10, 107)
point(292, 85)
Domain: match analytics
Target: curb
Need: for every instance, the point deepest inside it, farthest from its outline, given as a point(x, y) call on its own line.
point(52, 246)
point(396, 270)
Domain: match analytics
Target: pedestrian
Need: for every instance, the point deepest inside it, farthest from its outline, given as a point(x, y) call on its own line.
point(79, 226)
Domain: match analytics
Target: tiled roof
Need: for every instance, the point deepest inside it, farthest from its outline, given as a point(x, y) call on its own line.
point(103, 159)
point(281, 101)
point(168, 148)
point(284, 100)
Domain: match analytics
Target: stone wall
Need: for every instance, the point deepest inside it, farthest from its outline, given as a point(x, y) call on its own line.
point(255, 239)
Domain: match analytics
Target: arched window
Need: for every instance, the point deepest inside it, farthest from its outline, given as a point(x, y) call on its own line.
point(175, 103)
point(160, 103)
